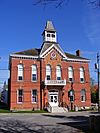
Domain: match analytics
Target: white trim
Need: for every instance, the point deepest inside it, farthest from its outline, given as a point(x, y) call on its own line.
point(18, 96)
point(53, 45)
point(86, 60)
point(32, 96)
point(25, 56)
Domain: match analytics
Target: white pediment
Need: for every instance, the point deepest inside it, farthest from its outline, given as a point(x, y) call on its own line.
point(48, 50)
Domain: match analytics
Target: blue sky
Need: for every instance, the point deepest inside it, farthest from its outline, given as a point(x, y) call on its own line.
point(22, 23)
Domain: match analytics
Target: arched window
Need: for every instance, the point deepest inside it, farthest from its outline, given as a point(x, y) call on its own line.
point(20, 72)
point(70, 73)
point(81, 74)
point(48, 72)
point(58, 72)
point(34, 72)
point(83, 95)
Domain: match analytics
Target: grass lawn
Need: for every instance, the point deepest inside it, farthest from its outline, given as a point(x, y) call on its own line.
point(35, 111)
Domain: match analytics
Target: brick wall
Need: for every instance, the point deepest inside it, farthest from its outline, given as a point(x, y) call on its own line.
point(27, 85)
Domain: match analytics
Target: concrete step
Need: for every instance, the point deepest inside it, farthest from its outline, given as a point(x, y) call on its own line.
point(56, 109)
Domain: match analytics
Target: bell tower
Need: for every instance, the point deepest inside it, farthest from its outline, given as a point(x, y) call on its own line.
point(49, 34)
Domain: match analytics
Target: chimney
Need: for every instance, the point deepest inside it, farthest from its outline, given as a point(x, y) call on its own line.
point(78, 53)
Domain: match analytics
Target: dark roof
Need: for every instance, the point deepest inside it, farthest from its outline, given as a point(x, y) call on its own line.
point(30, 52)
point(71, 56)
point(49, 26)
point(46, 45)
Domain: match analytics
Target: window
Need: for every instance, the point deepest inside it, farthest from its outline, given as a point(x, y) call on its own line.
point(83, 95)
point(20, 72)
point(53, 35)
point(34, 72)
point(70, 73)
point(34, 96)
point(58, 72)
point(20, 96)
point(71, 95)
point(48, 35)
point(81, 74)
point(48, 72)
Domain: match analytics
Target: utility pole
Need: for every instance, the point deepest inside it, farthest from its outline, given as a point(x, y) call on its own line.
point(98, 76)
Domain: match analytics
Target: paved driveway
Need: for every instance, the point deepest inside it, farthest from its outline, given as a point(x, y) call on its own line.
point(71, 122)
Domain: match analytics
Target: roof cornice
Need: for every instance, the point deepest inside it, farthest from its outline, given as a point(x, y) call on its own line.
point(78, 60)
point(24, 56)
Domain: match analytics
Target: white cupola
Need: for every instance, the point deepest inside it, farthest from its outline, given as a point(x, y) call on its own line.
point(49, 34)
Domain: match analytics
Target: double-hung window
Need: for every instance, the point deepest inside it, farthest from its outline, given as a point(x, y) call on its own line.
point(70, 73)
point(58, 72)
point(34, 72)
point(20, 96)
point(48, 72)
point(81, 74)
point(34, 96)
point(20, 72)
point(71, 95)
point(83, 95)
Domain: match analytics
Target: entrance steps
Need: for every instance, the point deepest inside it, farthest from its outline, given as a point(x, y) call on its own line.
point(56, 109)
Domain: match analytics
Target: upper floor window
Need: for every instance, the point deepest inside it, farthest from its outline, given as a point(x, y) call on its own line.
point(81, 74)
point(83, 95)
point(48, 72)
point(53, 35)
point(20, 72)
point(58, 72)
point(70, 73)
point(34, 96)
point(48, 35)
point(20, 95)
point(34, 72)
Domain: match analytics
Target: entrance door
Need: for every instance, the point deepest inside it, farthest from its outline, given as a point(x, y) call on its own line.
point(53, 98)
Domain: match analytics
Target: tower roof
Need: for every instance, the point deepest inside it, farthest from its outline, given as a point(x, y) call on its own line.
point(49, 26)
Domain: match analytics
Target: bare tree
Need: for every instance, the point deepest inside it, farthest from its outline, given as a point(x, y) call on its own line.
point(58, 3)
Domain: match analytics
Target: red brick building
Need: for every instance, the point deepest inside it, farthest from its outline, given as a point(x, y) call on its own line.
point(48, 77)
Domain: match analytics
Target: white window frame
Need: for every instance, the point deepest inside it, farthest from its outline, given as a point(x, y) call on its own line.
point(18, 96)
point(20, 72)
point(70, 74)
point(58, 72)
point(34, 71)
point(82, 75)
point(48, 71)
point(83, 96)
point(33, 95)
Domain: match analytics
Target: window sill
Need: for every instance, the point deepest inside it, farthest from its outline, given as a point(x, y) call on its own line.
point(19, 102)
point(82, 82)
point(83, 101)
point(34, 81)
point(20, 80)
point(34, 102)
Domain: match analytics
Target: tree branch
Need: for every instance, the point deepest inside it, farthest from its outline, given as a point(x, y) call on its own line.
point(59, 3)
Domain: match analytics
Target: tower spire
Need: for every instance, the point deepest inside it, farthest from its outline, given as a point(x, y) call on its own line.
point(49, 26)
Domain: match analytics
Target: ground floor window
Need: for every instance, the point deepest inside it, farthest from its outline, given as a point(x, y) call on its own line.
point(83, 95)
point(71, 95)
point(34, 96)
point(20, 95)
